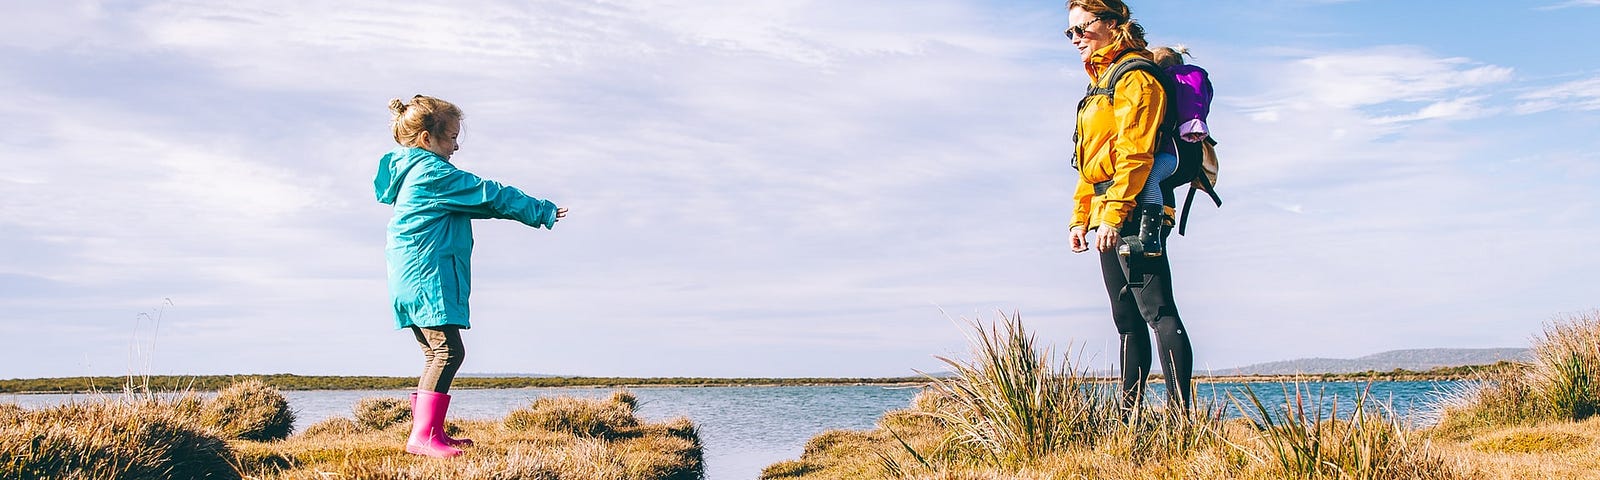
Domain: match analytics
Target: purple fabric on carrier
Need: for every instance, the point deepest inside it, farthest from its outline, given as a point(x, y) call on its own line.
point(1192, 100)
point(1194, 92)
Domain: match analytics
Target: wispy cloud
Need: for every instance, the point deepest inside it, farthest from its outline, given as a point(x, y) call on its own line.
point(1575, 95)
point(764, 169)
point(1386, 77)
point(793, 184)
point(1572, 4)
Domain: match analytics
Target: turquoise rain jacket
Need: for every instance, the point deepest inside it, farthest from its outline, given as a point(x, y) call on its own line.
point(430, 237)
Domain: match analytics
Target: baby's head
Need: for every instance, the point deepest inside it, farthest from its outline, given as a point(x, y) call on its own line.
point(1166, 57)
point(428, 123)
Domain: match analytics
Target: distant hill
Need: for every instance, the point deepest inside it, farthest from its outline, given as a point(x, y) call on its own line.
point(1421, 359)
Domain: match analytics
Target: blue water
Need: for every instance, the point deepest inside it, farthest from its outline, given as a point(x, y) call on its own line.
point(747, 428)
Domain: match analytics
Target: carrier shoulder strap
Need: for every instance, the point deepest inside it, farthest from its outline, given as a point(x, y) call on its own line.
point(1122, 68)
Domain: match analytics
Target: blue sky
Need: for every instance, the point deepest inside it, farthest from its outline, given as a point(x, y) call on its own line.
point(774, 188)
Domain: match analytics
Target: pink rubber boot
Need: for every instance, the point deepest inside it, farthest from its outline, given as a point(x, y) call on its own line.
point(427, 426)
point(454, 442)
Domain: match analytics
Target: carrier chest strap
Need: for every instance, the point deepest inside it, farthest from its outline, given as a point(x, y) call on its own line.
point(1101, 188)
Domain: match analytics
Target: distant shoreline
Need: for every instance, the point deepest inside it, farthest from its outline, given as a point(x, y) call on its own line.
point(166, 383)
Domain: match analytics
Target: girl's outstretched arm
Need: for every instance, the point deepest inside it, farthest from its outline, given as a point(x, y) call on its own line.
point(458, 190)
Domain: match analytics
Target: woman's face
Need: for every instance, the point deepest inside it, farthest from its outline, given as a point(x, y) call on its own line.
point(1087, 32)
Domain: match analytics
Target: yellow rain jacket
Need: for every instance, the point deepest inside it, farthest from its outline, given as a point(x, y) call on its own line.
point(1116, 140)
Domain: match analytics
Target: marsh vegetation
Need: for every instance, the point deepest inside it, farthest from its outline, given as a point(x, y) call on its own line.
point(1015, 410)
point(244, 432)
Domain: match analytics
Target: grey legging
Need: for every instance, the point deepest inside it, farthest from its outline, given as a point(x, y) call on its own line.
point(441, 347)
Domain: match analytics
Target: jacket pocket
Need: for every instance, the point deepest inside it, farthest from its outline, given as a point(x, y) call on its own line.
point(1101, 165)
point(455, 279)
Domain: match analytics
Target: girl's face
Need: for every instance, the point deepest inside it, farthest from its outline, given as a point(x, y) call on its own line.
point(1088, 32)
point(444, 145)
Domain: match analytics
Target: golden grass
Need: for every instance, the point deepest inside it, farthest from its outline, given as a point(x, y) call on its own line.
point(138, 437)
point(120, 438)
point(249, 410)
point(1533, 421)
point(377, 413)
point(1561, 384)
point(551, 438)
point(1014, 412)
point(576, 416)
point(1233, 449)
point(1550, 451)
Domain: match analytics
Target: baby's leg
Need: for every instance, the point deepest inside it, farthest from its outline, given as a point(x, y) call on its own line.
point(1165, 164)
point(1150, 213)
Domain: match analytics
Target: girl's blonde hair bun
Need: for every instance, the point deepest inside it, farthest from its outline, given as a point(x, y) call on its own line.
point(423, 114)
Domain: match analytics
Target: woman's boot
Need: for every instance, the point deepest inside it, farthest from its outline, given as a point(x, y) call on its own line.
point(427, 426)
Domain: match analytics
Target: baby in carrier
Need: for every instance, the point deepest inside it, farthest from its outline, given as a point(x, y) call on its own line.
point(1191, 102)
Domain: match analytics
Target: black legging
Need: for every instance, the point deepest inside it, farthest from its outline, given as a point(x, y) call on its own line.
point(1147, 303)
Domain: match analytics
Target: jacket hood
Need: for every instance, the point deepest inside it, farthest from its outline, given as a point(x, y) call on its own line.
point(392, 170)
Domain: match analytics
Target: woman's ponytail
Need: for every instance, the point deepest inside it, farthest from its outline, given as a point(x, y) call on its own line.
point(1128, 31)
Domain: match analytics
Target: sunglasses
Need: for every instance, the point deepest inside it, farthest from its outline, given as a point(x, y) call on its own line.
point(1077, 30)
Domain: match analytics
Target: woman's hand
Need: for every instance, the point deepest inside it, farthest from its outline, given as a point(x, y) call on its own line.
point(1080, 240)
point(1106, 238)
point(561, 213)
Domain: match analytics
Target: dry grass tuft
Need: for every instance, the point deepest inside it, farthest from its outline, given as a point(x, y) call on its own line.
point(1524, 441)
point(143, 438)
point(625, 398)
point(110, 439)
point(578, 416)
point(336, 426)
point(605, 441)
point(249, 410)
point(1561, 384)
point(1014, 412)
point(1014, 404)
point(786, 469)
point(378, 413)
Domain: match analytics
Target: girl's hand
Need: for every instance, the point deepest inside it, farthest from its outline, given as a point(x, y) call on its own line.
point(1106, 238)
point(561, 213)
point(1080, 240)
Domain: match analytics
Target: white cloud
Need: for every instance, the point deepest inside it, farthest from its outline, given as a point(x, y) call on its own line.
point(1575, 95)
point(1385, 75)
point(1457, 108)
point(802, 177)
point(775, 181)
point(1572, 4)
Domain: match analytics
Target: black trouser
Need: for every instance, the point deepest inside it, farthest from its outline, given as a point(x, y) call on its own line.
point(1141, 300)
point(442, 354)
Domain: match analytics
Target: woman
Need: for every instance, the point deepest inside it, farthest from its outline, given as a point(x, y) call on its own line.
point(1115, 151)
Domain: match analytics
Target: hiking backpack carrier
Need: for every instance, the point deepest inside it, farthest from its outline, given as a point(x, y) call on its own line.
point(1197, 162)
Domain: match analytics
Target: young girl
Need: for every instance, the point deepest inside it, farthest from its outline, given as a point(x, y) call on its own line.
point(429, 250)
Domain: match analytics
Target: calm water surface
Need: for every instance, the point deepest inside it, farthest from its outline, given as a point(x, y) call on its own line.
point(747, 428)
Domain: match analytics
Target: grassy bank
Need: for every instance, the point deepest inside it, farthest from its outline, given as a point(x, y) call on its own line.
point(244, 432)
point(313, 382)
point(286, 381)
point(1015, 411)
